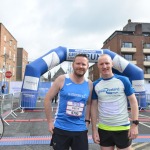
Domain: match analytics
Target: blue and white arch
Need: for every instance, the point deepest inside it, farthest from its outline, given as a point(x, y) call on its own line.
point(58, 55)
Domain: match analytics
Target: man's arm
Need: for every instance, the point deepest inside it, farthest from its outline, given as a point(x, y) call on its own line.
point(94, 113)
point(88, 105)
point(134, 116)
point(54, 89)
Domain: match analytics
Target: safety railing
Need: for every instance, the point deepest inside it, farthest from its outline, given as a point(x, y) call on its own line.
point(9, 103)
point(16, 101)
point(140, 97)
point(6, 106)
point(28, 103)
point(29, 100)
point(148, 100)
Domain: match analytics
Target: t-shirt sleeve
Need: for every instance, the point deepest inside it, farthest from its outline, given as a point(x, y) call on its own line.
point(129, 90)
point(94, 94)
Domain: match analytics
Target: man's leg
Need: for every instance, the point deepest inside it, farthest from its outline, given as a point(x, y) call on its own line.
point(80, 141)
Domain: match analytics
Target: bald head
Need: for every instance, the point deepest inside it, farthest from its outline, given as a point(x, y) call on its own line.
point(105, 65)
point(104, 56)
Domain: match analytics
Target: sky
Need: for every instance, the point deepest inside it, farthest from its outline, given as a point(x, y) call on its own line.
point(41, 25)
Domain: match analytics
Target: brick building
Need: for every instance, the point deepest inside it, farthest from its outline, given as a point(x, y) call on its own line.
point(132, 43)
point(9, 55)
point(22, 61)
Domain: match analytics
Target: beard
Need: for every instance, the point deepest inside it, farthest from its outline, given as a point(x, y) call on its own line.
point(79, 73)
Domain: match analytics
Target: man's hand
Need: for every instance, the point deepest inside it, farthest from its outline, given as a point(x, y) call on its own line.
point(133, 132)
point(95, 136)
point(51, 127)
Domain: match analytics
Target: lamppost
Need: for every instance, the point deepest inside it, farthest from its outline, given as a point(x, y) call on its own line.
point(3, 71)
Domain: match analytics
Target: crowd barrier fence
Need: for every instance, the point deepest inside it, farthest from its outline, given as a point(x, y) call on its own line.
point(6, 106)
point(9, 103)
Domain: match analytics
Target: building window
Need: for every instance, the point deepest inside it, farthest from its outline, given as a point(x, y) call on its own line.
point(10, 42)
point(145, 34)
point(128, 56)
point(147, 71)
point(147, 58)
point(127, 44)
point(5, 38)
point(146, 45)
point(5, 50)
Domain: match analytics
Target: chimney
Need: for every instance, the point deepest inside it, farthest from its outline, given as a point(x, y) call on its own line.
point(129, 21)
point(138, 29)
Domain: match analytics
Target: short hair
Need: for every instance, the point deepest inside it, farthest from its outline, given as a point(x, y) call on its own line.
point(81, 55)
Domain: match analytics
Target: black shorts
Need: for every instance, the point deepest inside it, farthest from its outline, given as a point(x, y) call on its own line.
point(112, 138)
point(62, 140)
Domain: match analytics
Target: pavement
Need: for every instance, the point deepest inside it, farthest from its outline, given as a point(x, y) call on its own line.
point(29, 131)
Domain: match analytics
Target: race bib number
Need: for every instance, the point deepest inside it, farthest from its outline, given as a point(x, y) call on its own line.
point(74, 108)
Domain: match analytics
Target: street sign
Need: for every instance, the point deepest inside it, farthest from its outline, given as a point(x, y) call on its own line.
point(8, 74)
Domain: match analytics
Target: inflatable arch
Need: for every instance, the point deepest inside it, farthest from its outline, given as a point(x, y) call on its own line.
point(56, 56)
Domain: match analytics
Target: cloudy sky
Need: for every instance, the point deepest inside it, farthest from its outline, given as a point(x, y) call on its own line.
point(41, 25)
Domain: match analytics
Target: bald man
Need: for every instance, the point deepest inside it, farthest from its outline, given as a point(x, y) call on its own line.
point(109, 100)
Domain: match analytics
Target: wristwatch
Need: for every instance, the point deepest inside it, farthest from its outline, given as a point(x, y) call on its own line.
point(136, 122)
point(87, 121)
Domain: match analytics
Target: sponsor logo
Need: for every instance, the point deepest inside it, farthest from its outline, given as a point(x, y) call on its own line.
point(109, 91)
point(54, 143)
point(68, 84)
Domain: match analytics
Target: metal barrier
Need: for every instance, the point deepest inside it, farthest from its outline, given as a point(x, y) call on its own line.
point(139, 98)
point(16, 101)
point(6, 106)
point(9, 103)
point(148, 100)
point(28, 105)
point(40, 101)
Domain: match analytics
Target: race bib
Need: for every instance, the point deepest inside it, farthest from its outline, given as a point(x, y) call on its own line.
point(74, 108)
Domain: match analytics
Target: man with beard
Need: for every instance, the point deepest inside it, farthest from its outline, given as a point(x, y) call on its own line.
point(73, 113)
